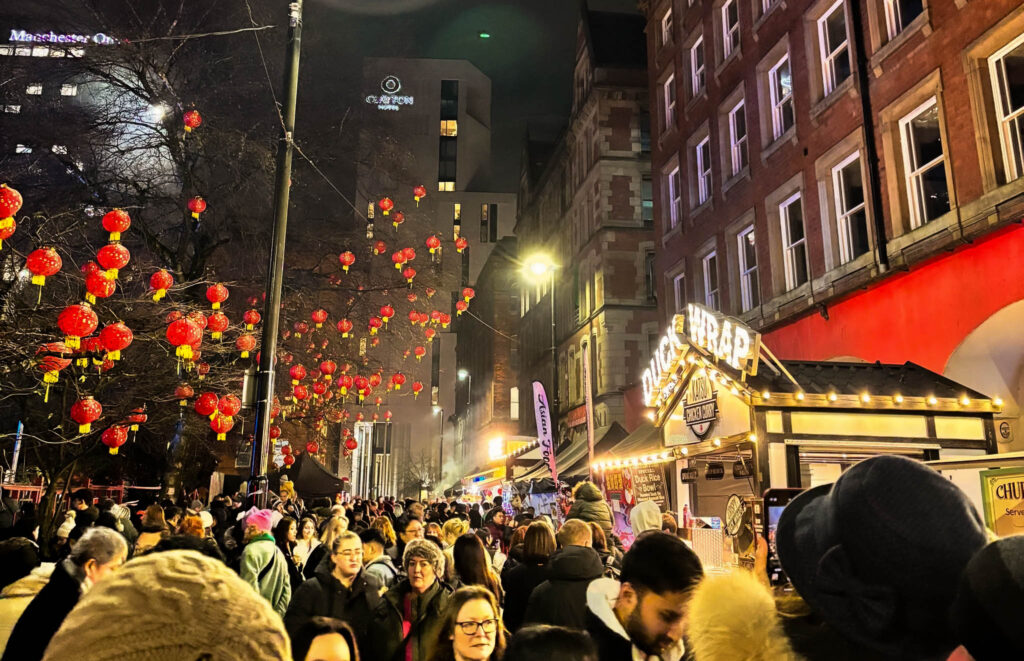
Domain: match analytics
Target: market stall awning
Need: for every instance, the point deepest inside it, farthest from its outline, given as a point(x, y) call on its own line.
point(310, 478)
point(572, 461)
point(645, 439)
point(616, 434)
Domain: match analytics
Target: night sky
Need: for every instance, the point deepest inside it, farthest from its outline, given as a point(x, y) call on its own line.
point(529, 56)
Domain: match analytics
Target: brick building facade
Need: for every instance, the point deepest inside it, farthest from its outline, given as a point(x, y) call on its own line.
point(585, 202)
point(810, 153)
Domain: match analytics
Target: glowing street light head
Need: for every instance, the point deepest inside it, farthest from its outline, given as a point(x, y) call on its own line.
point(437, 409)
point(538, 265)
point(463, 375)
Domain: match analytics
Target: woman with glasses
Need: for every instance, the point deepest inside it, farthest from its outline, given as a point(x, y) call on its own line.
point(471, 628)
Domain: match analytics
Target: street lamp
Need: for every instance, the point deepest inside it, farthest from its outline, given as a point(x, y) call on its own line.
point(535, 268)
point(464, 375)
point(438, 411)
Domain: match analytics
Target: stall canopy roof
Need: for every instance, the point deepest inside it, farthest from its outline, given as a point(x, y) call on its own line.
point(572, 462)
point(310, 477)
point(645, 439)
point(908, 379)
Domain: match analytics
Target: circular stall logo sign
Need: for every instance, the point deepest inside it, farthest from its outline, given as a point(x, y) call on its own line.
point(700, 407)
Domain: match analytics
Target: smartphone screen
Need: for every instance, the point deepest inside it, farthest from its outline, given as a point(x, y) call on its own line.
point(775, 500)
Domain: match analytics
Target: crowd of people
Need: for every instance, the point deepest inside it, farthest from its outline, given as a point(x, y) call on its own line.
point(891, 562)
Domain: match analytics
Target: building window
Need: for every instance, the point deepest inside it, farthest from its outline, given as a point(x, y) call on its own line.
point(14, 110)
point(449, 99)
point(750, 289)
point(901, 13)
point(703, 160)
point(59, 149)
point(485, 224)
point(513, 400)
point(766, 5)
point(445, 186)
point(646, 201)
point(730, 28)
point(35, 89)
point(447, 160)
point(649, 275)
point(645, 133)
point(675, 198)
point(40, 51)
point(679, 292)
point(711, 281)
point(69, 89)
point(780, 83)
point(456, 212)
point(794, 242)
point(697, 67)
point(834, 44)
point(738, 137)
point(851, 208)
point(6, 50)
point(668, 95)
point(925, 162)
point(449, 128)
point(1007, 70)
point(22, 149)
point(666, 28)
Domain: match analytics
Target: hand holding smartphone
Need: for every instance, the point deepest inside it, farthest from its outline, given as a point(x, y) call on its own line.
point(775, 500)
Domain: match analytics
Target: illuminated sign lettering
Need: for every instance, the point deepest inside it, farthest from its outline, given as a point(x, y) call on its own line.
point(725, 339)
point(670, 347)
point(99, 38)
point(390, 99)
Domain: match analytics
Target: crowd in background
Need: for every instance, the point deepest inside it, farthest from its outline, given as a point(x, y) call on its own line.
point(891, 562)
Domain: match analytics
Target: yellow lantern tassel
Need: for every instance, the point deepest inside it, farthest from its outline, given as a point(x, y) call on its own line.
point(39, 280)
point(114, 355)
point(245, 354)
point(115, 236)
point(160, 293)
point(84, 429)
point(222, 437)
point(182, 402)
point(113, 450)
point(90, 298)
point(215, 335)
point(133, 427)
point(188, 129)
point(112, 274)
point(46, 394)
point(195, 215)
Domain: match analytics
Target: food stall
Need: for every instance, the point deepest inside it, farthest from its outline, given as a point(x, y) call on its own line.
point(735, 420)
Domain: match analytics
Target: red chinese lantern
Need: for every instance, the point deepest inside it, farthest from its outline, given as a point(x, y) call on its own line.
point(300, 328)
point(351, 444)
point(347, 259)
point(344, 327)
point(173, 316)
point(319, 388)
point(398, 258)
point(344, 384)
point(319, 316)
point(398, 219)
point(374, 380)
point(435, 316)
point(417, 387)
point(51, 362)
point(89, 268)
point(424, 318)
point(445, 319)
point(433, 244)
point(397, 380)
point(419, 193)
point(192, 119)
point(183, 393)
point(312, 447)
point(419, 352)
point(409, 273)
point(229, 406)
point(288, 459)
point(197, 205)
point(245, 344)
point(430, 292)
point(137, 417)
point(114, 437)
point(328, 368)
point(387, 416)
point(43, 262)
point(286, 449)
point(206, 404)
point(386, 205)
point(460, 307)
point(10, 204)
point(359, 417)
point(98, 285)
point(300, 393)
point(113, 257)
point(409, 254)
point(115, 222)
point(221, 425)
point(386, 312)
point(375, 417)
point(298, 373)
point(461, 243)
point(467, 293)
point(429, 334)
point(116, 337)
point(346, 432)
point(414, 316)
point(160, 282)
point(274, 432)
point(412, 297)
point(374, 324)
point(77, 321)
point(85, 412)
point(217, 323)
point(377, 401)
point(216, 294)
point(202, 369)
point(379, 247)
point(275, 409)
point(198, 318)
point(251, 318)
point(183, 334)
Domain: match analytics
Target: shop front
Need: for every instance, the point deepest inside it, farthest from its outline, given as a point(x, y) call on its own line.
point(732, 420)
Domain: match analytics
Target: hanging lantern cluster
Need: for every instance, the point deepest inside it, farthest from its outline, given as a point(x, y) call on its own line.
point(10, 204)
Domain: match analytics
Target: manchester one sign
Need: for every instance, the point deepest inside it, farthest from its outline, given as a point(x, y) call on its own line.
point(21, 36)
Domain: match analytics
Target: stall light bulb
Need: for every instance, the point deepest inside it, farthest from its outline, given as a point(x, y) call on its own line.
point(753, 438)
point(686, 451)
point(800, 396)
point(932, 401)
point(766, 395)
point(735, 392)
point(717, 442)
point(997, 401)
point(865, 398)
point(898, 398)
point(832, 397)
point(965, 401)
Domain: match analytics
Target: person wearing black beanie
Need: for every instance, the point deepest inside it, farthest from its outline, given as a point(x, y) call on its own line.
point(989, 605)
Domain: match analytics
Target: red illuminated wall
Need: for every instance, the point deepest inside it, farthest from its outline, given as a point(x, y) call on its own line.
point(919, 316)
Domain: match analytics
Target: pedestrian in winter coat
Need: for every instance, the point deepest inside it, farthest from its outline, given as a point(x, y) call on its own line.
point(561, 599)
point(286, 536)
point(409, 617)
point(520, 581)
point(16, 597)
point(263, 565)
point(643, 615)
point(95, 556)
point(154, 528)
point(611, 556)
point(589, 506)
point(645, 516)
point(340, 589)
point(495, 524)
point(376, 562)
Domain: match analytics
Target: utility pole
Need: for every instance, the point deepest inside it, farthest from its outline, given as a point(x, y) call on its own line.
point(275, 269)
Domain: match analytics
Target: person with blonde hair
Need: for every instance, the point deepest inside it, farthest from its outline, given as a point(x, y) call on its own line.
point(453, 529)
point(383, 524)
point(332, 530)
point(154, 528)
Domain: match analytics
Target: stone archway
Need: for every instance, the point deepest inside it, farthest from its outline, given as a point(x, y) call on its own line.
point(991, 360)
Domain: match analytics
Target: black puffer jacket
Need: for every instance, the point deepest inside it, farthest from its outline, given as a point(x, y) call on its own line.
point(562, 599)
point(519, 583)
point(591, 506)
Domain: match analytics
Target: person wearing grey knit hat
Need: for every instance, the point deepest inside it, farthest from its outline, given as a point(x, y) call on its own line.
point(169, 606)
point(409, 617)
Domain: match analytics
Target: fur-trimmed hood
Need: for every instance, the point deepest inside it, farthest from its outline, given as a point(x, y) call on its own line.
point(733, 618)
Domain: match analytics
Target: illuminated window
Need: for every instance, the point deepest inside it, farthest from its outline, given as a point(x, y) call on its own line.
point(40, 51)
point(513, 396)
point(59, 149)
point(697, 67)
point(851, 210)
point(750, 290)
point(780, 87)
point(14, 110)
point(675, 197)
point(6, 50)
point(35, 89)
point(457, 212)
point(668, 98)
point(22, 149)
point(925, 163)
point(69, 89)
point(710, 267)
point(738, 137)
point(22, 51)
point(369, 210)
point(794, 241)
point(730, 28)
point(702, 153)
point(77, 52)
point(666, 28)
point(679, 292)
point(1007, 70)
point(449, 127)
point(900, 13)
point(646, 201)
point(834, 44)
point(445, 186)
